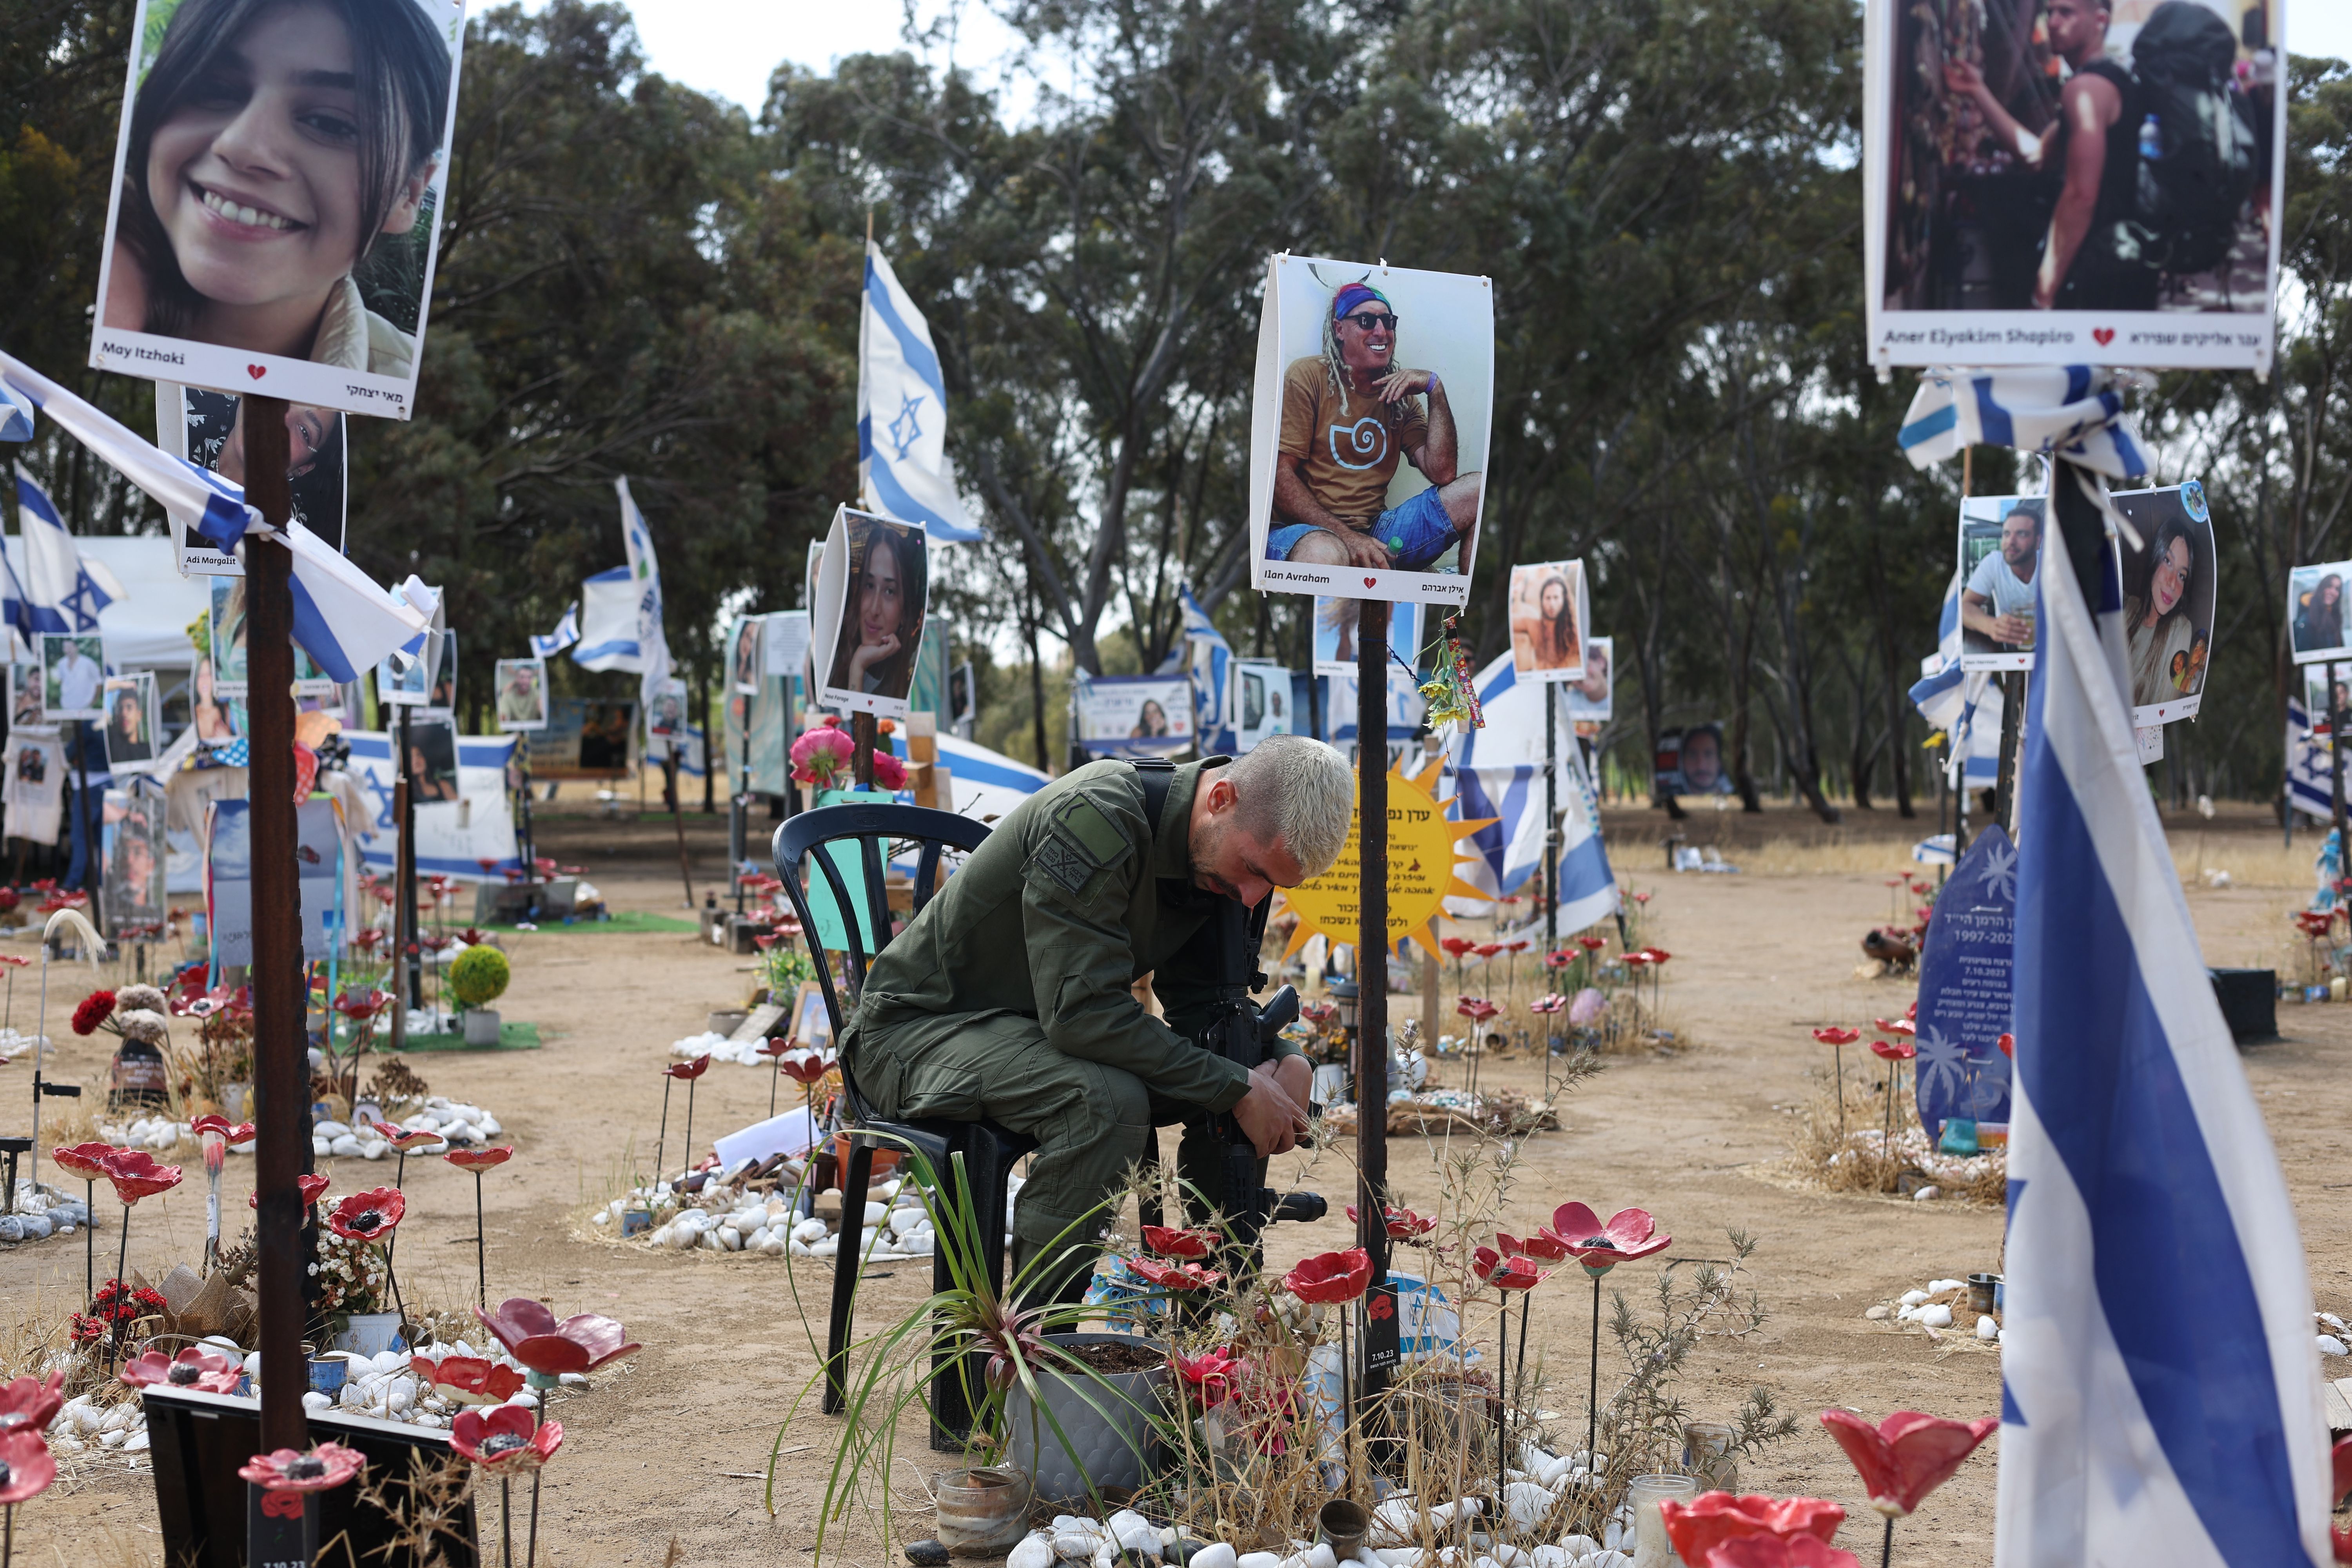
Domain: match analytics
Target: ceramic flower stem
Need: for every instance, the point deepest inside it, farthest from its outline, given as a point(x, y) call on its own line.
point(8, 1535)
point(114, 1335)
point(530, 1551)
point(689, 1123)
point(1346, 1403)
point(481, 1259)
point(89, 1238)
point(1886, 1550)
point(1838, 1056)
point(506, 1521)
point(397, 1305)
point(1592, 1389)
point(1519, 1377)
point(662, 1138)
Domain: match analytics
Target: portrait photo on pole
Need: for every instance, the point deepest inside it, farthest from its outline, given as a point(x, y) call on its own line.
point(2000, 547)
point(224, 631)
point(432, 760)
point(1135, 715)
point(278, 183)
point(207, 428)
point(2074, 182)
point(1336, 620)
point(745, 668)
point(132, 839)
point(1547, 614)
point(2168, 580)
point(1690, 761)
point(2318, 623)
point(2318, 711)
point(1369, 429)
point(784, 644)
point(26, 701)
point(130, 726)
point(441, 696)
point(666, 722)
point(522, 694)
point(1589, 701)
point(73, 675)
point(872, 593)
point(212, 714)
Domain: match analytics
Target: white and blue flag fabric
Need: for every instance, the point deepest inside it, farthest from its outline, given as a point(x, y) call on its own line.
point(566, 633)
point(58, 593)
point(2139, 1172)
point(2309, 788)
point(15, 413)
point(645, 594)
point(1965, 704)
point(1500, 773)
point(1212, 660)
point(2071, 411)
point(608, 622)
point(902, 413)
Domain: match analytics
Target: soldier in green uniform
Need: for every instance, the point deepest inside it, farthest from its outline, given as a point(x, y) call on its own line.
point(1010, 996)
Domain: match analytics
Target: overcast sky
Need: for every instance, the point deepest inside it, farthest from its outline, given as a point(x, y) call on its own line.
point(729, 46)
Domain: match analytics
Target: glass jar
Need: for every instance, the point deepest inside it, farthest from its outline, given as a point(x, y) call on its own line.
point(1651, 1547)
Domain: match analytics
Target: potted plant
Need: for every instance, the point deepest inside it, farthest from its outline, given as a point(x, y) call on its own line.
point(476, 979)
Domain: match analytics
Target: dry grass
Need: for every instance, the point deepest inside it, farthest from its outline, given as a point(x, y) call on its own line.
point(1864, 1164)
point(2250, 861)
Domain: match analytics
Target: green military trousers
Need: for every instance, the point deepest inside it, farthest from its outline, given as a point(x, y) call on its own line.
point(1091, 1122)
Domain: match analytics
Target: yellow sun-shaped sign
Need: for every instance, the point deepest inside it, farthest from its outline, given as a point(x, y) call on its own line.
point(1422, 852)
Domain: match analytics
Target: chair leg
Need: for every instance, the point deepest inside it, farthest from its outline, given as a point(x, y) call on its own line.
point(849, 1262)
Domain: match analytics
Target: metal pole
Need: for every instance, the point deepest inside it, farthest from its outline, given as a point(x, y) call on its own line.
point(2336, 717)
point(1551, 823)
point(281, 1063)
point(1372, 948)
point(411, 984)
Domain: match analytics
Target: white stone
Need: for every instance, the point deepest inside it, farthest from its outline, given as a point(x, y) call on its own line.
point(122, 1419)
point(489, 1125)
point(427, 1420)
point(1527, 1502)
point(346, 1144)
point(329, 1130)
point(315, 1402)
point(710, 1242)
point(1914, 1297)
point(1259, 1560)
point(401, 1396)
point(1145, 1538)
point(1035, 1550)
point(523, 1398)
point(1987, 1328)
point(1936, 1317)
point(827, 1248)
point(730, 1238)
point(775, 1246)
point(875, 1214)
point(905, 1220)
point(321, 1148)
point(1579, 1545)
point(1927, 1194)
point(1320, 1555)
point(1215, 1555)
point(111, 1439)
point(1937, 1287)
point(2330, 1345)
point(1877, 1314)
point(354, 1397)
point(1554, 1557)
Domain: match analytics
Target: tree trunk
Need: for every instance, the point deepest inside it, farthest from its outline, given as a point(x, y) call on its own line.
point(711, 743)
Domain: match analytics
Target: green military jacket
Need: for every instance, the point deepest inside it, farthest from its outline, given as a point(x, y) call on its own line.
point(1072, 899)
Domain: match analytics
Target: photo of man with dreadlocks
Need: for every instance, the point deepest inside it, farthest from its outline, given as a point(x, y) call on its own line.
point(1373, 470)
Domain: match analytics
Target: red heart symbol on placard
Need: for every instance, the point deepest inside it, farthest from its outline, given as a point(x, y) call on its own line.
point(2103, 336)
point(256, 371)
point(1371, 582)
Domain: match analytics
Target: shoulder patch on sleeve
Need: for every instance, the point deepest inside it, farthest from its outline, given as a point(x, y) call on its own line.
point(1102, 843)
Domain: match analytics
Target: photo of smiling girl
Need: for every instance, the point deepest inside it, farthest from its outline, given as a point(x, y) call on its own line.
point(276, 196)
point(881, 618)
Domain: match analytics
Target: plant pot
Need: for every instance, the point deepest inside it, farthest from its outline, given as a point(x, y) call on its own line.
point(885, 1160)
point(481, 1027)
point(983, 1512)
point(1114, 1446)
point(370, 1333)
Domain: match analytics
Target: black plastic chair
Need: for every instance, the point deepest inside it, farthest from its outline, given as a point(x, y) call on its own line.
point(989, 1151)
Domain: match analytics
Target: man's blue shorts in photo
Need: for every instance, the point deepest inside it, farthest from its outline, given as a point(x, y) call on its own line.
point(1417, 532)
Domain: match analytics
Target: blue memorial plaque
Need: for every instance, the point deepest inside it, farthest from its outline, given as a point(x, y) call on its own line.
point(1964, 989)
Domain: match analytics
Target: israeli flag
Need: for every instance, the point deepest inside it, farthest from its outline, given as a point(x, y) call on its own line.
point(2160, 1389)
point(17, 412)
point(902, 413)
point(62, 593)
point(1965, 705)
point(1212, 660)
point(608, 622)
point(644, 586)
point(2308, 784)
point(2070, 411)
point(566, 633)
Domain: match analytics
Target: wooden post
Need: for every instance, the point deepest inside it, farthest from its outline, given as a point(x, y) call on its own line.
point(863, 732)
point(282, 1059)
point(1373, 947)
point(2335, 716)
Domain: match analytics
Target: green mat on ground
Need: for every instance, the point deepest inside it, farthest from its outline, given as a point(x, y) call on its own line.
point(626, 920)
point(512, 1037)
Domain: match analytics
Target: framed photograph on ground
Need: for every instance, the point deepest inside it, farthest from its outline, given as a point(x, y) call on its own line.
point(1135, 715)
point(745, 667)
point(1336, 620)
point(2319, 628)
point(1369, 430)
point(2169, 595)
point(305, 273)
point(811, 1025)
point(1993, 236)
point(1549, 611)
point(872, 596)
point(522, 694)
point(73, 675)
point(207, 428)
point(2001, 546)
point(1591, 697)
point(130, 728)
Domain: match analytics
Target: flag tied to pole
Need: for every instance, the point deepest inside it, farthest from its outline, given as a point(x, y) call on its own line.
point(1211, 658)
point(644, 585)
point(2071, 411)
point(342, 618)
point(59, 592)
point(566, 633)
point(2160, 1385)
point(902, 413)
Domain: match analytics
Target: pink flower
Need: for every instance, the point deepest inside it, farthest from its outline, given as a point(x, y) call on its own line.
point(688, 1071)
point(1505, 1273)
point(195, 1367)
point(1174, 1275)
point(1542, 1245)
point(505, 1438)
point(370, 1215)
point(468, 1379)
point(533, 1337)
point(1896, 1051)
point(324, 1467)
point(1552, 1002)
point(1211, 1372)
point(31, 1402)
point(1906, 1456)
point(1837, 1037)
point(1630, 1235)
point(83, 1159)
point(479, 1158)
point(1403, 1225)
point(27, 1468)
point(234, 1132)
point(1331, 1277)
point(403, 1138)
point(1476, 1008)
point(1178, 1243)
point(136, 1174)
point(889, 773)
point(1708, 1520)
point(1778, 1552)
point(805, 1067)
point(821, 756)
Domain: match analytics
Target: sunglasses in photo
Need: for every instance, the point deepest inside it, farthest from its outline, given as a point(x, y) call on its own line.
point(1372, 320)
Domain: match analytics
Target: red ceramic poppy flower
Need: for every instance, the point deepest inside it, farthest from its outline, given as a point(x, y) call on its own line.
point(361, 1005)
point(1906, 1456)
point(1837, 1037)
point(1211, 1372)
point(1558, 958)
point(1487, 949)
point(1551, 1002)
point(369, 1215)
point(231, 1132)
point(27, 1468)
point(506, 1438)
point(1543, 1246)
point(1708, 1520)
point(1403, 1225)
point(1476, 1007)
point(1174, 1275)
point(31, 1402)
point(479, 1158)
point(1505, 1273)
point(1179, 1243)
point(1635, 960)
point(94, 1009)
point(1630, 1234)
point(197, 1367)
point(1779, 1552)
point(1458, 945)
point(1896, 1026)
point(1893, 1050)
point(1330, 1277)
point(2008, 1044)
point(405, 1138)
point(805, 1067)
point(690, 1070)
point(83, 1159)
point(326, 1467)
point(311, 1187)
point(468, 1379)
point(136, 1174)
point(533, 1337)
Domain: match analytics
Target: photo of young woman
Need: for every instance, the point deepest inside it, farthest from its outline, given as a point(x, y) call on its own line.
point(881, 617)
point(275, 194)
point(213, 428)
point(227, 636)
point(1548, 611)
point(2169, 597)
point(1150, 723)
point(213, 715)
point(2316, 611)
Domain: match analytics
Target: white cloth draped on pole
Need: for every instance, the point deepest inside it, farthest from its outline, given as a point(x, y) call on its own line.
point(2139, 1172)
point(2070, 411)
point(608, 622)
point(342, 618)
point(644, 584)
point(902, 413)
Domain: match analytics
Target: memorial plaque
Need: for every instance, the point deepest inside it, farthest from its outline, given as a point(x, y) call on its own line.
point(1964, 989)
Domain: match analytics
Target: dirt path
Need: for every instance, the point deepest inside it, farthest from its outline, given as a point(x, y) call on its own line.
point(1686, 1134)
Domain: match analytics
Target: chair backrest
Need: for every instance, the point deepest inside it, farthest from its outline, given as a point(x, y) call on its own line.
point(872, 825)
